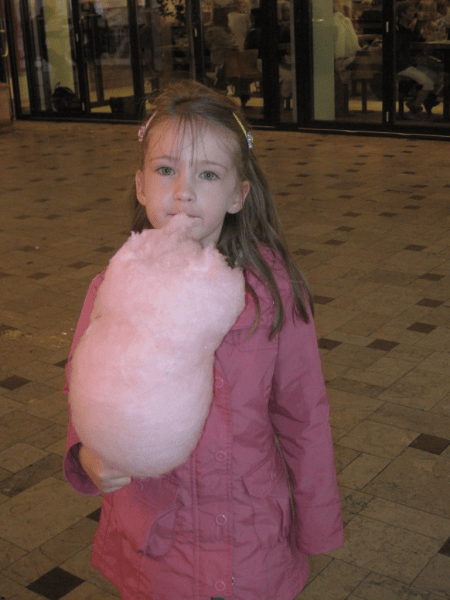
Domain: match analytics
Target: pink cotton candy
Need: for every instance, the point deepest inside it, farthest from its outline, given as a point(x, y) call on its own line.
point(142, 376)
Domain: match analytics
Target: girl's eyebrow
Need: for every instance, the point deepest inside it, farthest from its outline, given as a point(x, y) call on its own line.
point(163, 157)
point(199, 162)
point(211, 162)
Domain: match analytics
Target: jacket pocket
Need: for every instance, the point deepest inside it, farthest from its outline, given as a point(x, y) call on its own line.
point(146, 512)
point(268, 489)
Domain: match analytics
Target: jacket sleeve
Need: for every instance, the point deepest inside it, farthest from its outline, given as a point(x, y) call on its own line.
point(300, 414)
point(73, 471)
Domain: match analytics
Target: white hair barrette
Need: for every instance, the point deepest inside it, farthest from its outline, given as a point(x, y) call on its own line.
point(143, 128)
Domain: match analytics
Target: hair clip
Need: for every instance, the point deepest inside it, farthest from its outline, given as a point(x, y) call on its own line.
point(247, 134)
point(143, 128)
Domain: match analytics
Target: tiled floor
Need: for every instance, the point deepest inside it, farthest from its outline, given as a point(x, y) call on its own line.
point(368, 220)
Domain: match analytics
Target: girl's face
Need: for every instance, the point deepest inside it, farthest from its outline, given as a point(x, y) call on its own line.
point(189, 173)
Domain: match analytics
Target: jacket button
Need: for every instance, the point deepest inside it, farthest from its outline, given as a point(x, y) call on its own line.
point(220, 586)
point(221, 519)
point(221, 455)
point(218, 382)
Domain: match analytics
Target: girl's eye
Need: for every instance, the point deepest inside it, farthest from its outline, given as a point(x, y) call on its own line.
point(165, 170)
point(209, 175)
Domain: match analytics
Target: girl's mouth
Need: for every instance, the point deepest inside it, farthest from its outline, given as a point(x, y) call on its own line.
point(190, 216)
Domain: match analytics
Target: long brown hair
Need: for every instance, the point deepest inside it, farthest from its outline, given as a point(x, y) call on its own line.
point(257, 223)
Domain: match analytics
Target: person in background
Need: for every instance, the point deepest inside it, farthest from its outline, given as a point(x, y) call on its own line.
point(253, 39)
point(408, 31)
point(239, 23)
point(443, 9)
point(433, 29)
point(346, 8)
point(346, 40)
point(150, 48)
point(346, 45)
point(219, 40)
point(441, 20)
point(371, 19)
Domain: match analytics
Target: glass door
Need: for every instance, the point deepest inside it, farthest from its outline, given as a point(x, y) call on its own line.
point(106, 56)
point(422, 65)
point(74, 58)
point(286, 60)
point(232, 36)
point(239, 56)
point(166, 41)
point(347, 61)
point(20, 75)
point(49, 42)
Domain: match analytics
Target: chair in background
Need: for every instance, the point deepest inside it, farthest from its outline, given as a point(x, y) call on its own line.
point(366, 65)
point(241, 68)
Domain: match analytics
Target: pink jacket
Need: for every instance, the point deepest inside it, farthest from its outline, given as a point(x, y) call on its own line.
point(221, 525)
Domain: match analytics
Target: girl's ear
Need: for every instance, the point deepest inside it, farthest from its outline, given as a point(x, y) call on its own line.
point(241, 195)
point(245, 188)
point(140, 195)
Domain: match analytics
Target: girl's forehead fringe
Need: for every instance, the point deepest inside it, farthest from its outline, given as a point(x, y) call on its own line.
point(194, 124)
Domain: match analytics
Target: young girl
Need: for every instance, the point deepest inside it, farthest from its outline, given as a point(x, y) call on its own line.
point(237, 520)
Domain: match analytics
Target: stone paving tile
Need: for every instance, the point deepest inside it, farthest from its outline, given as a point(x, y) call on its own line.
point(385, 549)
point(335, 582)
point(415, 478)
point(380, 587)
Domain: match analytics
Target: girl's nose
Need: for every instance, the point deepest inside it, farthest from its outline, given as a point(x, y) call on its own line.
point(184, 188)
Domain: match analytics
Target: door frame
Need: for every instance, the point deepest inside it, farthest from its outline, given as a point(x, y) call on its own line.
point(5, 8)
point(81, 64)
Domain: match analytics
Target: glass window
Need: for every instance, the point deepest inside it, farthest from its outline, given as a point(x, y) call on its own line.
point(422, 63)
point(286, 63)
point(52, 41)
point(166, 53)
point(107, 56)
point(347, 60)
point(19, 51)
point(232, 41)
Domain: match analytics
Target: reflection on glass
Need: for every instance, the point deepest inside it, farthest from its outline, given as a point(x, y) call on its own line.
point(323, 60)
point(3, 49)
point(221, 42)
point(166, 54)
point(423, 62)
point(285, 60)
point(53, 51)
point(20, 58)
point(347, 54)
point(232, 41)
point(151, 48)
point(106, 49)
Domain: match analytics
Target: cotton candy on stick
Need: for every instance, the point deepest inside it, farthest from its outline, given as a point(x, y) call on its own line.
point(142, 374)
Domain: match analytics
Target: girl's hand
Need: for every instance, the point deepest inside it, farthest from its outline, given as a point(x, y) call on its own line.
point(104, 476)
